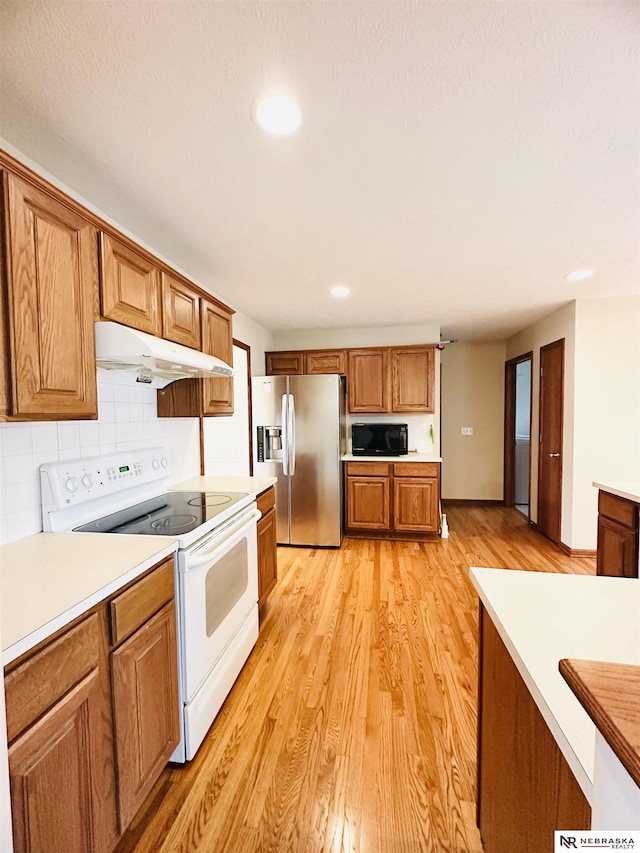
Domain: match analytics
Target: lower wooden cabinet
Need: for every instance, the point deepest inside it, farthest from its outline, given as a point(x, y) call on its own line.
point(399, 499)
point(90, 732)
point(267, 546)
point(618, 532)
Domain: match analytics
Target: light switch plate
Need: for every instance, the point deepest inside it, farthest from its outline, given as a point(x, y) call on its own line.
point(466, 431)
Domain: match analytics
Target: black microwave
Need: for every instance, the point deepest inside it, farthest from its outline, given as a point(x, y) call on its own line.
point(379, 439)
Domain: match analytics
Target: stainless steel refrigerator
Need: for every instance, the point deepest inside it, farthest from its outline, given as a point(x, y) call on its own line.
point(299, 437)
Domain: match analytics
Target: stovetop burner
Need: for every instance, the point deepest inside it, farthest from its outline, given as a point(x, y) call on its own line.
point(173, 513)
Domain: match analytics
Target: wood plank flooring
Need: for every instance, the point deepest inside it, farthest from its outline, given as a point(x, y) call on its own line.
point(352, 727)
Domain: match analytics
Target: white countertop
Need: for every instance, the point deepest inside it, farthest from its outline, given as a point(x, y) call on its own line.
point(251, 485)
point(49, 579)
point(411, 456)
point(630, 490)
point(543, 617)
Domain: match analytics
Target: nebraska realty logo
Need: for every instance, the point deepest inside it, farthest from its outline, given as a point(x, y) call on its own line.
point(567, 839)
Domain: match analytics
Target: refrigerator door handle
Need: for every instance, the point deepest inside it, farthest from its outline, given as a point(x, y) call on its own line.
point(285, 435)
point(292, 435)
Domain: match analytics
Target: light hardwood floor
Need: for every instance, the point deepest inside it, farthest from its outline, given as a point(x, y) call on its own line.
point(353, 725)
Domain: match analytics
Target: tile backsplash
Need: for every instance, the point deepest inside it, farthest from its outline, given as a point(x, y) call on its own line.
point(127, 420)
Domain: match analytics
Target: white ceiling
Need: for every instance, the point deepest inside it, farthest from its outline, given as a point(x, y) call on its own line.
point(455, 161)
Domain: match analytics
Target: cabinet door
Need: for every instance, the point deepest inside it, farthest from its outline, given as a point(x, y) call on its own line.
point(181, 312)
point(368, 380)
point(325, 361)
point(145, 703)
point(129, 286)
point(617, 549)
point(368, 503)
point(52, 279)
point(267, 556)
point(284, 363)
point(412, 380)
point(415, 504)
point(217, 339)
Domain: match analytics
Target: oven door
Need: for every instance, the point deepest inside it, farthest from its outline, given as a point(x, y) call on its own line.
point(217, 589)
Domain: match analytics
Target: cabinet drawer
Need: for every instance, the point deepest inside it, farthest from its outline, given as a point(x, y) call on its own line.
point(37, 684)
point(267, 500)
point(368, 469)
point(138, 604)
point(416, 469)
point(620, 510)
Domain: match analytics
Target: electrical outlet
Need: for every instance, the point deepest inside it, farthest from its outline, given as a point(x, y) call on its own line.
point(466, 431)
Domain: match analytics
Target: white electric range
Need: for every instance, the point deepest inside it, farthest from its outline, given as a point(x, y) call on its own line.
point(216, 563)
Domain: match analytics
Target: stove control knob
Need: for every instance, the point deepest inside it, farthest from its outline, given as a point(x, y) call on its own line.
point(164, 461)
point(87, 481)
point(70, 484)
point(155, 464)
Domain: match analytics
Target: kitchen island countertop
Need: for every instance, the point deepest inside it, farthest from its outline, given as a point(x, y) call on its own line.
point(629, 490)
point(411, 456)
point(208, 483)
point(49, 579)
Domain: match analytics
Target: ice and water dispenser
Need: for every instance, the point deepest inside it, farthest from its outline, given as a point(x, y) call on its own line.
point(269, 443)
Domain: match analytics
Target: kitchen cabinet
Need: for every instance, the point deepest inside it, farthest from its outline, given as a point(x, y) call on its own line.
point(192, 398)
point(284, 363)
point(368, 380)
point(180, 312)
point(90, 729)
point(267, 547)
point(412, 380)
point(325, 361)
point(618, 536)
point(129, 285)
point(48, 306)
point(393, 500)
point(61, 763)
point(526, 789)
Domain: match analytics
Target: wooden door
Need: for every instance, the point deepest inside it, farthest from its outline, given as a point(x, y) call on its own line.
point(368, 503)
point(180, 312)
point(284, 363)
point(217, 339)
point(267, 556)
point(512, 405)
point(129, 286)
point(145, 704)
point(368, 380)
point(412, 380)
point(415, 504)
point(52, 777)
point(325, 361)
point(550, 440)
point(52, 280)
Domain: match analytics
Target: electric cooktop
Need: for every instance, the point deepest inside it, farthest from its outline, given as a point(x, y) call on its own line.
point(169, 514)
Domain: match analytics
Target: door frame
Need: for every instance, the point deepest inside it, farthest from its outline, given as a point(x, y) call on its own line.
point(509, 487)
point(560, 343)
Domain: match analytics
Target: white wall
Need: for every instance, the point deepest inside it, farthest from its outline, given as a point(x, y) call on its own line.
point(226, 439)
point(473, 396)
point(127, 419)
point(553, 327)
point(606, 405)
point(255, 336)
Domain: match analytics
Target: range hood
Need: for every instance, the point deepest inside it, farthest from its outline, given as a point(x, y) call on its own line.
point(125, 355)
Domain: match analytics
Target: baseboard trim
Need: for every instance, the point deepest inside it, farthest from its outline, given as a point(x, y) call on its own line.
point(576, 552)
point(470, 502)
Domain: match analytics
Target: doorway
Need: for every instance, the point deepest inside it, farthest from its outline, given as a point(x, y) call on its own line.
point(551, 439)
point(517, 448)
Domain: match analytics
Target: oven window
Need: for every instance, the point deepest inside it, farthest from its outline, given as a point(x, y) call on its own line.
point(225, 584)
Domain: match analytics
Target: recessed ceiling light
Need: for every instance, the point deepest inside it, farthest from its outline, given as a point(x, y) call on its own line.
point(340, 291)
point(578, 275)
point(277, 115)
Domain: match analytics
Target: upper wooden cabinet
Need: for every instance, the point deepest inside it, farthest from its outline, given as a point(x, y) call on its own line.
point(412, 380)
point(325, 361)
point(368, 380)
point(217, 339)
point(284, 363)
point(47, 329)
point(129, 286)
point(180, 312)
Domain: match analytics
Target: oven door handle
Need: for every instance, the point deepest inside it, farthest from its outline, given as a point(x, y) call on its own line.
point(208, 557)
